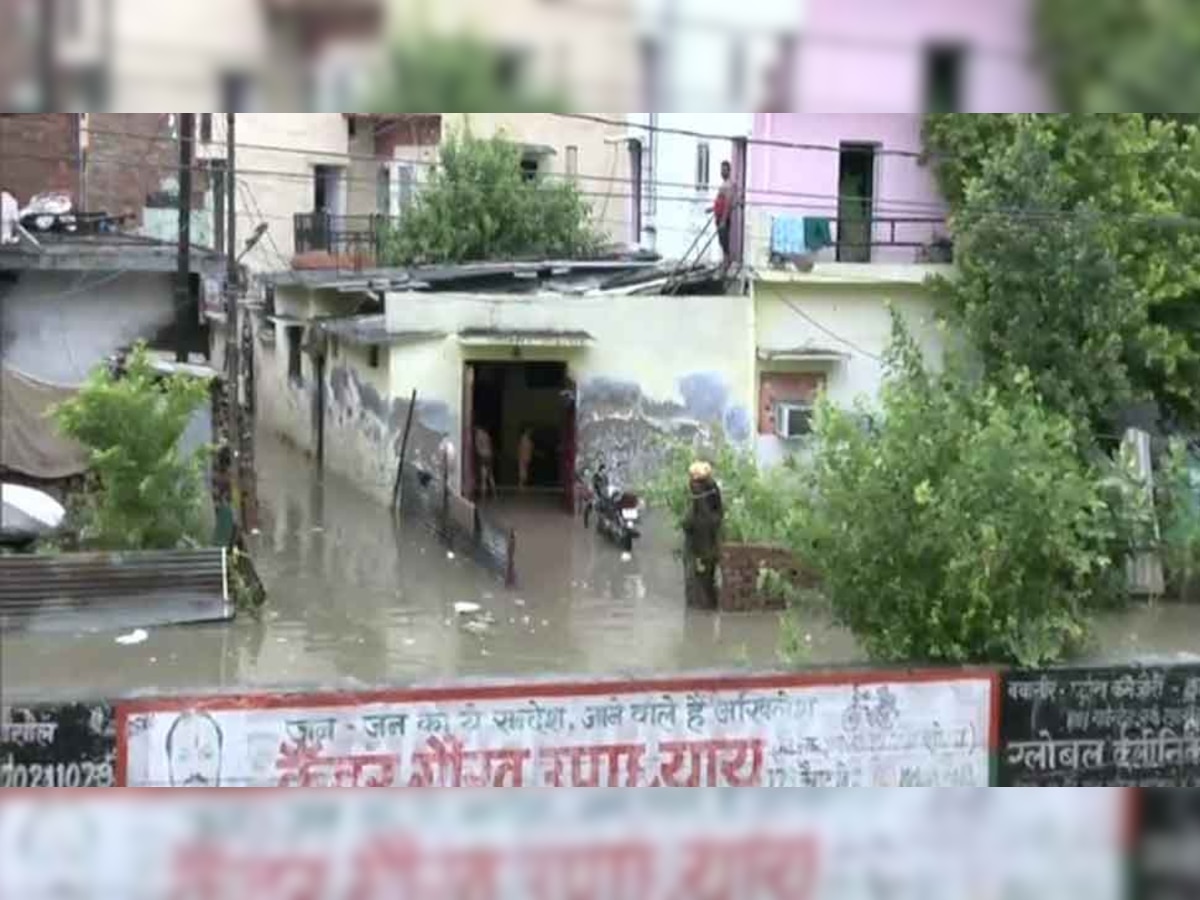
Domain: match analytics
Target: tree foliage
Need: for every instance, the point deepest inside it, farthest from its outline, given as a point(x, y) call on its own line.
point(478, 205)
point(431, 74)
point(964, 528)
point(149, 495)
point(1111, 55)
point(1077, 253)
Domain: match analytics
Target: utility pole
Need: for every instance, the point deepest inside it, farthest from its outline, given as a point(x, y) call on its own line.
point(47, 74)
point(183, 275)
point(232, 345)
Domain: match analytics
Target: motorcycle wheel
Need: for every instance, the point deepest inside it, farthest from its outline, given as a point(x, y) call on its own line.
point(627, 543)
point(587, 515)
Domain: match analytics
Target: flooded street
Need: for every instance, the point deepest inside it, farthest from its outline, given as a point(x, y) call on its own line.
point(351, 603)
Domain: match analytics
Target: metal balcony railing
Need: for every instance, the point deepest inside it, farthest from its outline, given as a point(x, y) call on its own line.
point(866, 239)
point(358, 237)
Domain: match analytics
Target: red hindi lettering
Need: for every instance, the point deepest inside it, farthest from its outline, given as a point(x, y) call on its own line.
point(759, 866)
point(607, 765)
point(472, 874)
point(287, 878)
point(713, 763)
point(198, 872)
point(444, 763)
point(626, 870)
point(386, 868)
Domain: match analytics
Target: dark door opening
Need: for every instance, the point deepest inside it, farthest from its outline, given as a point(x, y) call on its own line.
point(527, 410)
point(856, 202)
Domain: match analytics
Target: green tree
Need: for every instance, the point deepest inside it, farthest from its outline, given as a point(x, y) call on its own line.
point(1112, 55)
point(478, 205)
point(963, 528)
point(1076, 246)
point(149, 496)
point(431, 74)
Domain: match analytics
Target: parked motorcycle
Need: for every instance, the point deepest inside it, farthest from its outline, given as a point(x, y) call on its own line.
point(618, 513)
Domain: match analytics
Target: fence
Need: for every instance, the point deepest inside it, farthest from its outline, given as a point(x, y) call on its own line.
point(358, 237)
point(429, 501)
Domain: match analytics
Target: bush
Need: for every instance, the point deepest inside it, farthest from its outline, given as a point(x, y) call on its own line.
point(1178, 502)
point(760, 505)
point(478, 205)
point(146, 496)
point(963, 528)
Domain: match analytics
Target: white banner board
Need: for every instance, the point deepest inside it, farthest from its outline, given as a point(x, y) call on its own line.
point(789, 731)
point(1053, 844)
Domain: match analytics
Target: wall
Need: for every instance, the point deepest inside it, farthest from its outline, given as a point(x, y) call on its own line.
point(674, 206)
point(603, 157)
point(804, 182)
point(858, 314)
point(59, 326)
point(722, 61)
point(866, 55)
point(699, 377)
point(276, 155)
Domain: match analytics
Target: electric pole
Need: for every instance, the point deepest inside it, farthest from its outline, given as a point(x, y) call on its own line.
point(232, 346)
point(183, 275)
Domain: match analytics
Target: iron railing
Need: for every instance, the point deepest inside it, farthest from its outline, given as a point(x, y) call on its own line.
point(358, 237)
point(461, 526)
point(900, 239)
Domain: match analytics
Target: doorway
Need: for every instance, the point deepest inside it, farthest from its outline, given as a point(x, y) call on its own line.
point(509, 400)
point(856, 202)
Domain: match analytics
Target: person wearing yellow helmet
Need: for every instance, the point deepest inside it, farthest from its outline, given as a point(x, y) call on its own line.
point(702, 536)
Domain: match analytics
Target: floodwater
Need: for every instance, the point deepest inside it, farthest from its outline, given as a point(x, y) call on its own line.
point(351, 602)
point(354, 603)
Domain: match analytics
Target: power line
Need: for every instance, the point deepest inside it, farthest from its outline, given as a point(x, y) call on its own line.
point(828, 332)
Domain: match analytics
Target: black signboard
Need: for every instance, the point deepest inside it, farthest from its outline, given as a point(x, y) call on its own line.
point(57, 746)
point(1118, 726)
point(1166, 863)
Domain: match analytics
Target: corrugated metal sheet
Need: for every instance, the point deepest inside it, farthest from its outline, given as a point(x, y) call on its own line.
point(84, 591)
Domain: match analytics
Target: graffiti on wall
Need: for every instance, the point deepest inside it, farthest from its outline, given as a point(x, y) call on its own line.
point(904, 731)
point(629, 431)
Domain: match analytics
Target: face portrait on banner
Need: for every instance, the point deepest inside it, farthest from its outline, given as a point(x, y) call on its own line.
point(193, 746)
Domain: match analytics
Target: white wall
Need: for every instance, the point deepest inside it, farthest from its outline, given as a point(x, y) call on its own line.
point(790, 316)
point(675, 205)
point(59, 325)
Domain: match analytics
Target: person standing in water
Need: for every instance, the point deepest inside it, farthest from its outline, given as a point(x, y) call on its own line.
point(702, 525)
point(485, 464)
point(524, 458)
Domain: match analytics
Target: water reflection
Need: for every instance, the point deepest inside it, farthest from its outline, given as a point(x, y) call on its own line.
point(351, 604)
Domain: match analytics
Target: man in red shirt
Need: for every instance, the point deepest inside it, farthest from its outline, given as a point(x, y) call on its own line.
point(722, 210)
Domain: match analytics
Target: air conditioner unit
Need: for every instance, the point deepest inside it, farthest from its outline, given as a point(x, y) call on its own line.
point(793, 420)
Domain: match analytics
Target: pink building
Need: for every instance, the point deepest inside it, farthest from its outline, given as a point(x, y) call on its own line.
point(880, 64)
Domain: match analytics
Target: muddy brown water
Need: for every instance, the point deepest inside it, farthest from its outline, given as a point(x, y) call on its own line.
point(354, 603)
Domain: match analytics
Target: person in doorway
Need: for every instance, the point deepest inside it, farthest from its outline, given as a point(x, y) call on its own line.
point(485, 463)
point(722, 212)
point(702, 537)
point(525, 451)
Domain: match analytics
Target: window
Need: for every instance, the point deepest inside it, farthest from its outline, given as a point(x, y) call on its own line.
point(70, 17)
point(295, 338)
point(373, 356)
point(529, 167)
point(510, 67)
point(737, 72)
point(793, 420)
point(943, 79)
point(406, 179)
point(651, 62)
point(236, 90)
point(572, 161)
point(703, 165)
point(206, 128)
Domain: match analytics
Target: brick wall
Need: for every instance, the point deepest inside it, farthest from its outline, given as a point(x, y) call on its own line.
point(130, 156)
point(37, 153)
point(740, 567)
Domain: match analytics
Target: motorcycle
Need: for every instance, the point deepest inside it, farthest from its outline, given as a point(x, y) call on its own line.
point(618, 513)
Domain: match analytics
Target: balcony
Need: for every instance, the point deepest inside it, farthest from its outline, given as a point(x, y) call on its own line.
point(801, 244)
point(324, 240)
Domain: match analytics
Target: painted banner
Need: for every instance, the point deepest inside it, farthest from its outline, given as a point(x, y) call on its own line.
point(70, 745)
point(876, 730)
point(1167, 858)
point(1118, 726)
point(589, 845)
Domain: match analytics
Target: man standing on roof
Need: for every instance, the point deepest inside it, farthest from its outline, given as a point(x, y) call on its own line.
point(722, 212)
